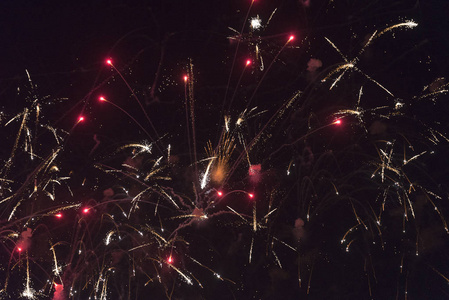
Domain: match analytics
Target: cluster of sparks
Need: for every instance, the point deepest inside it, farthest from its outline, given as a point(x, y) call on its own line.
point(160, 245)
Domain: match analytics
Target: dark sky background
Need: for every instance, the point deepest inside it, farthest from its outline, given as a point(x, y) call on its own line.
point(64, 44)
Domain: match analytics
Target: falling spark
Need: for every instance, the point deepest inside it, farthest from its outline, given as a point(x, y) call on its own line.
point(56, 269)
point(251, 250)
point(277, 259)
point(28, 292)
point(206, 174)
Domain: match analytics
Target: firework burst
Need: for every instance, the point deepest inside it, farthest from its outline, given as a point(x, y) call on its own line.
point(266, 185)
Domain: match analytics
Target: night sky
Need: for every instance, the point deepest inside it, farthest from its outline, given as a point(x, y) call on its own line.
point(295, 206)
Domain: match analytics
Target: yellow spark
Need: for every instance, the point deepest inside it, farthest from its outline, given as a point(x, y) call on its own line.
point(143, 147)
point(56, 269)
point(168, 152)
point(408, 24)
point(285, 244)
point(349, 244)
point(439, 273)
point(209, 269)
point(254, 218)
point(402, 263)
point(157, 235)
point(410, 204)
point(251, 250)
point(268, 214)
point(377, 83)
point(436, 208)
point(227, 120)
point(59, 209)
point(338, 50)
point(236, 213)
point(335, 188)
point(168, 196)
point(140, 246)
point(348, 112)
point(108, 237)
point(339, 68)
point(310, 279)
point(187, 279)
point(28, 292)
point(221, 156)
point(343, 239)
point(277, 259)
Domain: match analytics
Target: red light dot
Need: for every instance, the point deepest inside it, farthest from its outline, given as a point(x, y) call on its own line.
point(80, 119)
point(251, 195)
point(338, 122)
point(19, 249)
point(248, 62)
point(101, 98)
point(86, 210)
point(219, 193)
point(109, 62)
point(59, 215)
point(291, 38)
point(186, 78)
point(170, 259)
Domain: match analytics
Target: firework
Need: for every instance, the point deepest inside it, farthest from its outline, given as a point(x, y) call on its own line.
point(270, 185)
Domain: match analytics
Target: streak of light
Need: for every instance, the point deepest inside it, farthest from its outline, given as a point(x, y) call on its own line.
point(251, 250)
point(206, 173)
